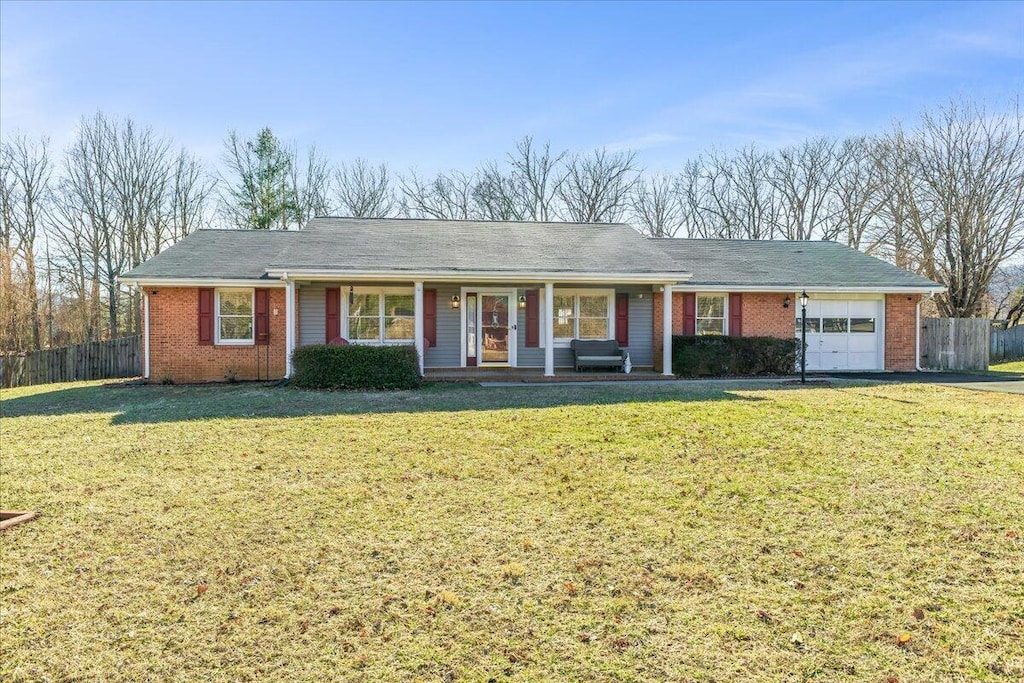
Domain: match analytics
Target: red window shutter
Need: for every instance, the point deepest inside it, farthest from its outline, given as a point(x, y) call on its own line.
point(532, 318)
point(622, 318)
point(332, 314)
point(735, 315)
point(262, 317)
point(206, 316)
point(689, 314)
point(430, 316)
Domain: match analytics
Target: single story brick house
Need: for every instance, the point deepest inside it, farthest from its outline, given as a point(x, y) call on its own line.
point(481, 294)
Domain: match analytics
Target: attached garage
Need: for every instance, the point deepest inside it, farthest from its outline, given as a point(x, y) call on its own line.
point(844, 334)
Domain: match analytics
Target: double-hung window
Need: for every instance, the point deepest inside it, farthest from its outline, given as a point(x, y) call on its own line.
point(582, 315)
point(235, 316)
point(381, 317)
point(711, 314)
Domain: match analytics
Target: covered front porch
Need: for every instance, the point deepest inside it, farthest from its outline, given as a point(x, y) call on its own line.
point(488, 328)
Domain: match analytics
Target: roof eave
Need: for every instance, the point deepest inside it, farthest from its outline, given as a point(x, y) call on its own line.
point(880, 289)
point(476, 276)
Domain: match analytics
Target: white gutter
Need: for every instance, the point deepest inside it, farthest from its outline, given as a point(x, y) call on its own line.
point(145, 337)
point(480, 276)
point(200, 282)
point(691, 287)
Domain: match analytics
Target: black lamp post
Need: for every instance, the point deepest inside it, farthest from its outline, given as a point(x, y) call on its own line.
point(803, 337)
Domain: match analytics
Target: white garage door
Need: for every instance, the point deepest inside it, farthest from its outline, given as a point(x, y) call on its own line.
point(843, 335)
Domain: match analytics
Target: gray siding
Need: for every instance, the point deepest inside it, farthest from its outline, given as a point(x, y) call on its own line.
point(448, 352)
point(312, 315)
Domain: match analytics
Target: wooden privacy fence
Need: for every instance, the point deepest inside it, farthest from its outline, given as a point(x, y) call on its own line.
point(1007, 344)
point(955, 343)
point(91, 360)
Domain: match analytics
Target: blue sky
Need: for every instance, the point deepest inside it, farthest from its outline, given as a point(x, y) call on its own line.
point(447, 85)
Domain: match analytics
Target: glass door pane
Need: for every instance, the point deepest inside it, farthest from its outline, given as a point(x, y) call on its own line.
point(494, 332)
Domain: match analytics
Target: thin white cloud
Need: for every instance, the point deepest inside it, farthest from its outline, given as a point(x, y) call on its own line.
point(648, 141)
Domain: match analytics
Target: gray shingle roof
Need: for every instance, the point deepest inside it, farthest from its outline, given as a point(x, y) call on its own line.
point(506, 246)
point(794, 265)
point(217, 254)
point(397, 245)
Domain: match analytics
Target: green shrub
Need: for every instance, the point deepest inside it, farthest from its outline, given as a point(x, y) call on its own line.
point(356, 367)
point(715, 356)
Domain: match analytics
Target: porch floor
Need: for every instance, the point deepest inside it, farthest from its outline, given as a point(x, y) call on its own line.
point(537, 375)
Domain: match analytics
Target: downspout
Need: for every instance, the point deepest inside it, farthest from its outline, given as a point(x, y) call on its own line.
point(917, 331)
point(145, 338)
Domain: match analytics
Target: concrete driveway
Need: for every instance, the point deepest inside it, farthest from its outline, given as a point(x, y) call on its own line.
point(1004, 382)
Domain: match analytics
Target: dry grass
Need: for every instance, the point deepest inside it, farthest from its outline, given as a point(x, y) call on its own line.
point(545, 533)
point(1014, 366)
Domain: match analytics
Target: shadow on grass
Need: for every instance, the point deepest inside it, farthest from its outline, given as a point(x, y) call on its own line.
point(153, 404)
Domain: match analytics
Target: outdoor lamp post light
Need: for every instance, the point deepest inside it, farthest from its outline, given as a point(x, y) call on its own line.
point(803, 337)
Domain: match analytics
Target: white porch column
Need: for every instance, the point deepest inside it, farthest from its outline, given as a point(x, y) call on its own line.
point(547, 324)
point(289, 326)
point(145, 334)
point(666, 331)
point(418, 321)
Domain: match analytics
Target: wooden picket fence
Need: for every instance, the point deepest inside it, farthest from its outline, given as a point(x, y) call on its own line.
point(955, 343)
point(1007, 344)
point(92, 360)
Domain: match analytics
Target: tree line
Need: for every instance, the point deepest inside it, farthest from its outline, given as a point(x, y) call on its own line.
point(943, 197)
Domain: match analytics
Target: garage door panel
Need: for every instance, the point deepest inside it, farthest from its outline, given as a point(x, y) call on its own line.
point(850, 334)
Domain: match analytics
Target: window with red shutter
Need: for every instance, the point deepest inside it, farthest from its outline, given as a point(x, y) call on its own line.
point(532, 318)
point(689, 314)
point(206, 316)
point(430, 316)
point(332, 313)
point(262, 317)
point(622, 319)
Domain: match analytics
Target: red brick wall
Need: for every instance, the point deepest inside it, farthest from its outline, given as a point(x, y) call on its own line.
point(901, 331)
point(175, 352)
point(764, 316)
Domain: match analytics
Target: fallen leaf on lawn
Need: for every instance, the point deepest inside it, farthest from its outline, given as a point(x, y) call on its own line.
point(797, 584)
point(1012, 534)
point(202, 588)
point(798, 553)
point(919, 614)
point(586, 637)
point(797, 639)
point(764, 616)
point(902, 639)
point(570, 588)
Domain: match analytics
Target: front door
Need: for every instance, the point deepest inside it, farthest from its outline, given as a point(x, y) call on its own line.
point(497, 328)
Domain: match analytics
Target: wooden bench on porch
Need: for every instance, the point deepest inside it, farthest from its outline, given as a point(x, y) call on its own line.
point(597, 353)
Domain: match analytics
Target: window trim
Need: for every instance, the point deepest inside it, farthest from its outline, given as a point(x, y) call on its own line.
point(724, 296)
point(548, 318)
point(217, 316)
point(381, 293)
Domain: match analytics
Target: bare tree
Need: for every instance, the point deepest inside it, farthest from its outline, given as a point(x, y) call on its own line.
point(27, 171)
point(597, 186)
point(658, 207)
point(804, 177)
point(958, 183)
point(859, 190)
point(364, 191)
point(310, 187)
point(538, 176)
point(1007, 294)
point(446, 196)
point(738, 196)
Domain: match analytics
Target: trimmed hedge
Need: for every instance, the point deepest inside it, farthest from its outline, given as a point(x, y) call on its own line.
point(715, 356)
point(356, 367)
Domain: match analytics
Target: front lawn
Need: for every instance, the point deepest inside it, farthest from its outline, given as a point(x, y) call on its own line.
point(694, 531)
